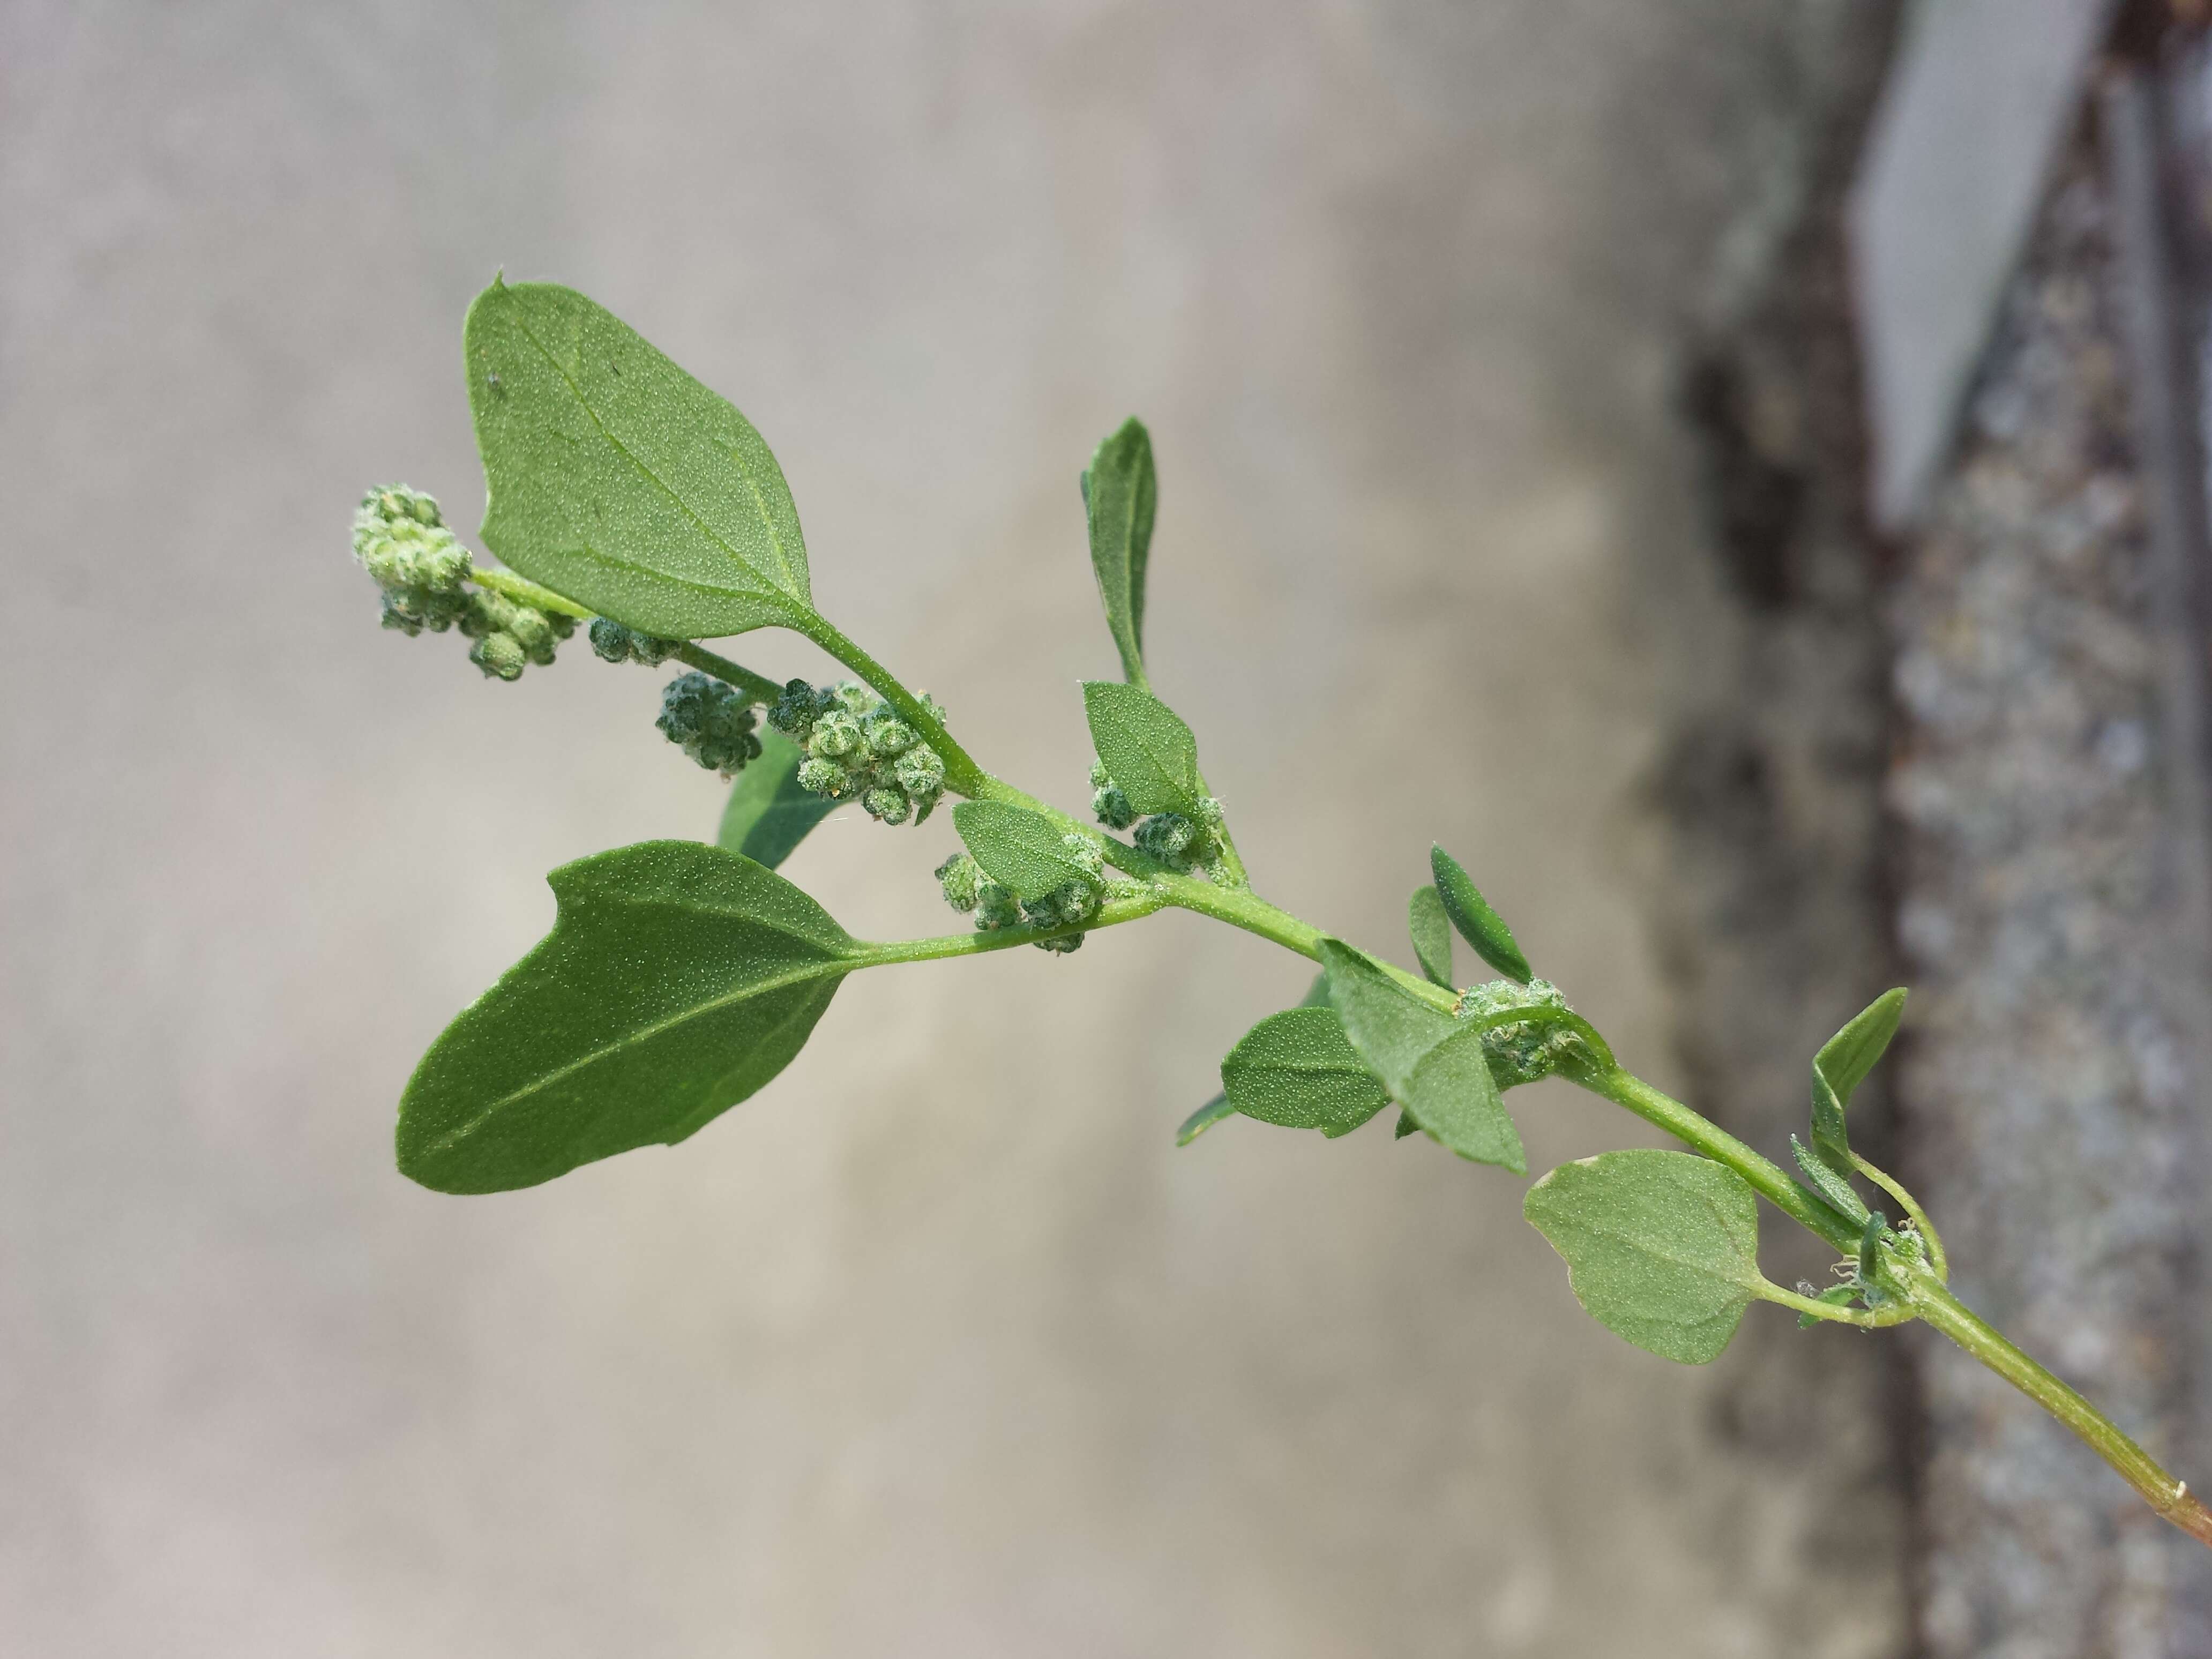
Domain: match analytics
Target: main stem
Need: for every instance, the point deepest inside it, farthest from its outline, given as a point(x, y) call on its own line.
point(2172, 1498)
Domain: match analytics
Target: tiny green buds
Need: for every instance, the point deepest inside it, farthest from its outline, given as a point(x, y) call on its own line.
point(1523, 1051)
point(859, 748)
point(401, 540)
point(709, 720)
point(612, 643)
point(1109, 803)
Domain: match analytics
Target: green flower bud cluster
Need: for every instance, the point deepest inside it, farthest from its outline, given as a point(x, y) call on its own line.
point(1076, 900)
point(1107, 800)
point(401, 540)
point(612, 643)
point(710, 721)
point(859, 748)
point(1182, 843)
point(1525, 1052)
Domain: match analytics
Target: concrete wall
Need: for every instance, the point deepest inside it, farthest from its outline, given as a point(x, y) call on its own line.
point(939, 1346)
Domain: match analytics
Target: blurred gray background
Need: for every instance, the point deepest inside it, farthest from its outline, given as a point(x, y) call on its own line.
point(938, 1346)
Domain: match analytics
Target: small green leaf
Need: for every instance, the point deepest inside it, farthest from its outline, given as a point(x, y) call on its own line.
point(1661, 1248)
point(1405, 1126)
point(768, 814)
point(1296, 1069)
point(1835, 1296)
point(1147, 747)
point(677, 980)
point(1826, 1183)
point(1877, 1223)
point(1023, 851)
point(618, 480)
point(1204, 1119)
point(1389, 1026)
point(1455, 1097)
point(1841, 1066)
point(1120, 494)
point(1478, 924)
point(1432, 934)
point(1316, 995)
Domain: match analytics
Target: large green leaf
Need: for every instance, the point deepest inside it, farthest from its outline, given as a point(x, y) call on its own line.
point(1432, 934)
point(1389, 1026)
point(618, 480)
point(1841, 1066)
point(1661, 1248)
point(1454, 1096)
point(1147, 747)
point(1119, 495)
point(1024, 852)
point(768, 814)
point(1296, 1069)
point(678, 979)
point(1478, 924)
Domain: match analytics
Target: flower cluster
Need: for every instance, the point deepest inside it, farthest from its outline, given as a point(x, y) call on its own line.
point(1075, 900)
point(711, 721)
point(401, 540)
point(612, 643)
point(1523, 1051)
point(858, 748)
point(1181, 843)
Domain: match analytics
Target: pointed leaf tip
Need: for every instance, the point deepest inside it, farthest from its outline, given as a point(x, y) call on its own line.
point(1120, 498)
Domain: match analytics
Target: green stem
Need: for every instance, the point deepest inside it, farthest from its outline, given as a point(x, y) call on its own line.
point(758, 687)
point(2170, 1498)
point(981, 941)
point(1767, 1179)
point(963, 776)
point(1895, 1313)
point(1929, 1236)
point(523, 591)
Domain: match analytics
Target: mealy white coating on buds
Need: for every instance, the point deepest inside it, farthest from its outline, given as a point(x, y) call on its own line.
point(400, 538)
point(612, 643)
point(711, 721)
point(966, 889)
point(1108, 803)
point(1523, 1051)
point(859, 748)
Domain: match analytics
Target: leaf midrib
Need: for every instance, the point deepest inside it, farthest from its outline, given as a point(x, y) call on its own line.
point(461, 1132)
point(760, 506)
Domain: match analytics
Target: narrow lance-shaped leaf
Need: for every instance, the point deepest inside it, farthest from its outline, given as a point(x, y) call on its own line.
point(1297, 1070)
point(1432, 934)
point(1842, 1065)
point(1024, 852)
point(768, 814)
point(1145, 744)
point(677, 980)
point(1120, 494)
point(1661, 1248)
point(1204, 1119)
point(618, 480)
point(1478, 924)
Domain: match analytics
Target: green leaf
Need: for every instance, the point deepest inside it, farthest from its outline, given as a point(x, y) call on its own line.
point(1432, 934)
point(1841, 1066)
point(1454, 1096)
point(1119, 495)
point(1147, 747)
point(768, 814)
point(618, 480)
point(1296, 1069)
point(1661, 1248)
point(1835, 1296)
point(1826, 1183)
point(1023, 851)
point(1405, 1126)
point(1389, 1027)
point(1478, 924)
point(1316, 995)
point(677, 980)
point(1204, 1119)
